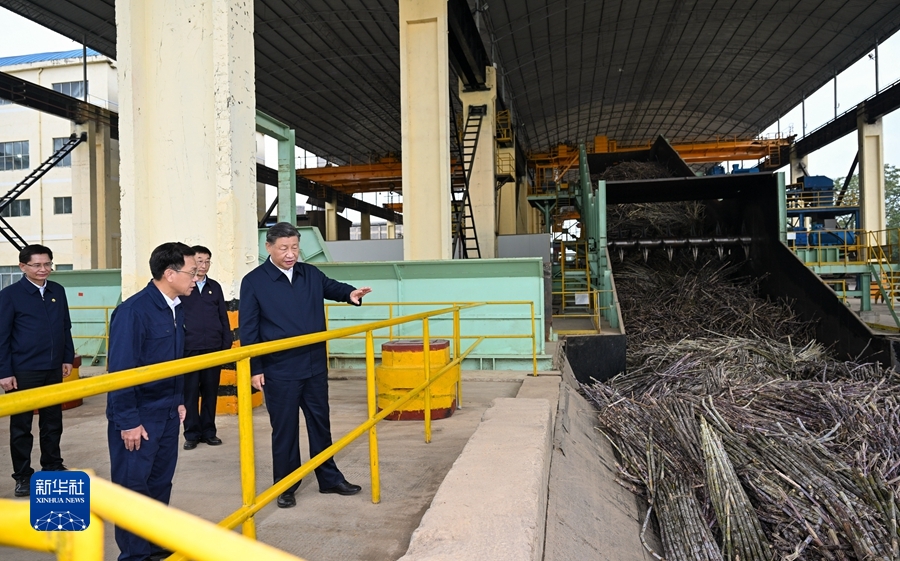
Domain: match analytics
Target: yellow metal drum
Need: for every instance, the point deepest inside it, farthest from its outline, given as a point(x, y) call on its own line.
point(403, 368)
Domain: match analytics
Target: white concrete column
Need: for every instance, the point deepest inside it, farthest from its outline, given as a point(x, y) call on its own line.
point(365, 226)
point(483, 181)
point(871, 175)
point(424, 125)
point(186, 125)
point(798, 165)
point(392, 232)
point(331, 223)
point(95, 200)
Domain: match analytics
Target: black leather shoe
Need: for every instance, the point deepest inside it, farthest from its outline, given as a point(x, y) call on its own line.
point(286, 500)
point(60, 467)
point(23, 487)
point(190, 444)
point(343, 488)
point(212, 441)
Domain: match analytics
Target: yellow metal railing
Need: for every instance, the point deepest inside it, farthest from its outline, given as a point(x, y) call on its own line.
point(174, 529)
point(391, 336)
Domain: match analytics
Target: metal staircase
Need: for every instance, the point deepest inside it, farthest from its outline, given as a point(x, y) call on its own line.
point(465, 238)
point(8, 232)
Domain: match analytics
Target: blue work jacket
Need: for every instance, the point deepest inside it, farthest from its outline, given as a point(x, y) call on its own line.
point(35, 331)
point(206, 324)
point(274, 308)
point(142, 332)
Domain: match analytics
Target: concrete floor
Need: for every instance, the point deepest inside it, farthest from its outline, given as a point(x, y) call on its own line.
point(320, 527)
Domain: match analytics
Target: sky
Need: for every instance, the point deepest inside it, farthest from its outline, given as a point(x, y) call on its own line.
point(21, 36)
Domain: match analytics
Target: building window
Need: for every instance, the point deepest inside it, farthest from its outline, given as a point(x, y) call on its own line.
point(20, 207)
point(63, 267)
point(62, 205)
point(14, 155)
point(9, 275)
point(74, 89)
point(57, 144)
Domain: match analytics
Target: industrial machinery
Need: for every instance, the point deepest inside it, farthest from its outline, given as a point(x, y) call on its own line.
point(745, 219)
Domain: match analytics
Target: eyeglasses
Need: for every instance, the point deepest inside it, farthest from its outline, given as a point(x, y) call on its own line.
point(201, 263)
point(192, 272)
point(36, 266)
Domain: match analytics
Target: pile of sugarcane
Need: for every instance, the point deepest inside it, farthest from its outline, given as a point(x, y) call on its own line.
point(748, 441)
point(673, 300)
point(629, 171)
point(654, 220)
point(749, 464)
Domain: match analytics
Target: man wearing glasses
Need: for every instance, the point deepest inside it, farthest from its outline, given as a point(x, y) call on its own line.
point(143, 429)
point(36, 350)
point(206, 331)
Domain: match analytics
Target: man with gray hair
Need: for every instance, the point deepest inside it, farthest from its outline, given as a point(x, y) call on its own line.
point(285, 298)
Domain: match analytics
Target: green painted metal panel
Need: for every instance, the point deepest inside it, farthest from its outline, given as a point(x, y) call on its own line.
point(96, 290)
point(447, 281)
point(312, 245)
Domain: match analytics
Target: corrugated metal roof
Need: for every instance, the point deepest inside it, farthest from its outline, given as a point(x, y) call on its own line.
point(571, 69)
point(44, 57)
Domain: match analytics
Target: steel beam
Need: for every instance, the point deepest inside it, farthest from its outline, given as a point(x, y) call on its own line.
point(27, 94)
point(874, 108)
point(467, 53)
point(320, 193)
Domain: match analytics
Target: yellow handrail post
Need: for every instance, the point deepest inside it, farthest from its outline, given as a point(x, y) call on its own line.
point(371, 401)
point(245, 435)
point(426, 346)
point(86, 545)
point(391, 327)
point(457, 344)
point(533, 342)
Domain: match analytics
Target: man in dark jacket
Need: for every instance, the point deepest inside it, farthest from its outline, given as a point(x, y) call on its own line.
point(284, 298)
point(206, 330)
point(142, 433)
point(36, 350)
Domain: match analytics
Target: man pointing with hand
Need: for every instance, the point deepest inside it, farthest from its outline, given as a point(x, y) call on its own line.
point(285, 298)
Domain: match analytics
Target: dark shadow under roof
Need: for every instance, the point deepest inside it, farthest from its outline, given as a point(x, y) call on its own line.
point(630, 69)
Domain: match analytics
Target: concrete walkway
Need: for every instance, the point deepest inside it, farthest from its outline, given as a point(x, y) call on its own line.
point(320, 527)
point(513, 475)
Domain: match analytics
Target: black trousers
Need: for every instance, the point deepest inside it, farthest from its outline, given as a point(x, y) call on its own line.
point(49, 423)
point(284, 400)
point(203, 387)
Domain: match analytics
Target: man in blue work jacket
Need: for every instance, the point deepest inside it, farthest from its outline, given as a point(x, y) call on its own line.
point(284, 298)
point(206, 331)
point(143, 428)
point(36, 350)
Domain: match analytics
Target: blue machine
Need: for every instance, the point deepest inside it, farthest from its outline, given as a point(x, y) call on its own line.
point(819, 237)
point(818, 190)
point(736, 168)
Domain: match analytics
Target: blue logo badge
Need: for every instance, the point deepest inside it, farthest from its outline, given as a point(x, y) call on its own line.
point(60, 501)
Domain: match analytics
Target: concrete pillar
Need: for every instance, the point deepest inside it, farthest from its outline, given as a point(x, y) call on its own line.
point(506, 197)
point(95, 200)
point(524, 208)
point(871, 175)
point(331, 223)
point(799, 166)
point(424, 125)
point(186, 125)
point(261, 206)
point(483, 181)
point(287, 179)
point(392, 231)
point(365, 226)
